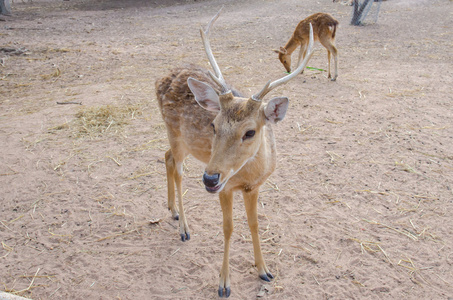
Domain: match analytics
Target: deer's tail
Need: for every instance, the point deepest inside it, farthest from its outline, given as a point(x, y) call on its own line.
point(334, 25)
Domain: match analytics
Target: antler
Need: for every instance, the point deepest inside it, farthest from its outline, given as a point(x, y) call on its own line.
point(218, 77)
point(269, 86)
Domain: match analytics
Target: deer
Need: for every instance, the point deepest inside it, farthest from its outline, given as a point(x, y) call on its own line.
point(324, 29)
point(230, 133)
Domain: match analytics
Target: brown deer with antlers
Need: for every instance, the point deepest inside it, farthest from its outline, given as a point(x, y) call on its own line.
point(324, 29)
point(205, 117)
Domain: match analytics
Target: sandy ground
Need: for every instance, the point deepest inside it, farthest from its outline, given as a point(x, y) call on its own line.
point(358, 208)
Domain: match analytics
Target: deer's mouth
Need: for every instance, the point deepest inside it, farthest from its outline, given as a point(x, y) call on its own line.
point(215, 189)
point(212, 182)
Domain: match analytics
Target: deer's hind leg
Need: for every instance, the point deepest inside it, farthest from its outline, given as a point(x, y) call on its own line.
point(174, 163)
point(328, 64)
point(170, 166)
point(331, 49)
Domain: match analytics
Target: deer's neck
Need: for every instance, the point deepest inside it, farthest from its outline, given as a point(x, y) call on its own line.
point(292, 44)
point(268, 149)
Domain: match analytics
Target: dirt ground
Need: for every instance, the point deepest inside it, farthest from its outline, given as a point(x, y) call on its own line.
point(358, 207)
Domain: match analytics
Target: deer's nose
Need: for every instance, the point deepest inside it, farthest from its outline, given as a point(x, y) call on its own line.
point(211, 180)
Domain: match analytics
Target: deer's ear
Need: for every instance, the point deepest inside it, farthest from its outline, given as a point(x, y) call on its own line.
point(275, 110)
point(281, 50)
point(204, 94)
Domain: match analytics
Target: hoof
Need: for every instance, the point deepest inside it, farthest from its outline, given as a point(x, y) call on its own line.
point(267, 277)
point(185, 237)
point(174, 215)
point(224, 292)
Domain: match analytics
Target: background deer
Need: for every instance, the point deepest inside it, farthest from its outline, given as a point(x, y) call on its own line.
point(231, 134)
point(324, 29)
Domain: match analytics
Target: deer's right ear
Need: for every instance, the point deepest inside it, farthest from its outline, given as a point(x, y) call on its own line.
point(204, 94)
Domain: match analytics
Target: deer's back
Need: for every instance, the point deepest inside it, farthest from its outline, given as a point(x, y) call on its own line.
point(323, 24)
point(177, 103)
point(174, 94)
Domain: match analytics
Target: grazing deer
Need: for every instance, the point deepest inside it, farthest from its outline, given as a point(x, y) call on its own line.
point(324, 28)
point(205, 117)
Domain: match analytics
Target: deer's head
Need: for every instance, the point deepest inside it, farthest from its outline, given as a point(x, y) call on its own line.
point(284, 58)
point(238, 130)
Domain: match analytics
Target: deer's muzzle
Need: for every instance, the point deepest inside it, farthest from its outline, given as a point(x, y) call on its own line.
point(211, 182)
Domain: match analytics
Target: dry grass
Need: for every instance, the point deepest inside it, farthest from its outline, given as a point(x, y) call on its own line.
point(98, 120)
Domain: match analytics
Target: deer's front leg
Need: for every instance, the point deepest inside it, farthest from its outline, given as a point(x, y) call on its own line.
point(302, 53)
point(226, 202)
point(251, 202)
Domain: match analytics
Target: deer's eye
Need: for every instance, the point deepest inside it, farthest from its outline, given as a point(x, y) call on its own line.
point(249, 134)
point(213, 127)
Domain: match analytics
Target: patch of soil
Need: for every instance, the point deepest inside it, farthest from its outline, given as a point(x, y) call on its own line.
point(358, 207)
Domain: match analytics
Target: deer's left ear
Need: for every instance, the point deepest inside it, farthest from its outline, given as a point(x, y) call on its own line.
point(275, 110)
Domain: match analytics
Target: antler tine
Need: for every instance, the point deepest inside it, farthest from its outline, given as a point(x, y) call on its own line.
point(213, 20)
point(218, 77)
point(272, 85)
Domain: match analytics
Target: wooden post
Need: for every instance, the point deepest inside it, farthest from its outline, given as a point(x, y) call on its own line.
point(5, 7)
point(358, 11)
